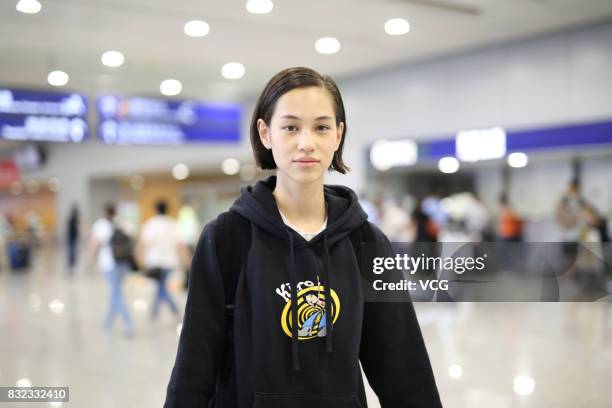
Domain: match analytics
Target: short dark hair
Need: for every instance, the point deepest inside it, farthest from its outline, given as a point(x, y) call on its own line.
point(110, 210)
point(280, 84)
point(161, 206)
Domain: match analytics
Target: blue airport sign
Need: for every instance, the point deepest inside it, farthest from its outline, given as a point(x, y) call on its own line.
point(43, 116)
point(146, 121)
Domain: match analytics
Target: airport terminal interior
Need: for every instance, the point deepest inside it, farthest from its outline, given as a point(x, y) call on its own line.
point(480, 124)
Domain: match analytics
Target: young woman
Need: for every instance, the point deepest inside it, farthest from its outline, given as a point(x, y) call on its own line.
point(275, 314)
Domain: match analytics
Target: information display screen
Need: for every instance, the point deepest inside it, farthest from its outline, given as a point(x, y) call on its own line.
point(43, 116)
point(145, 121)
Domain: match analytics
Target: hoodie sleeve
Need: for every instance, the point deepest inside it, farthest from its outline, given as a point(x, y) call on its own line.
point(201, 344)
point(393, 353)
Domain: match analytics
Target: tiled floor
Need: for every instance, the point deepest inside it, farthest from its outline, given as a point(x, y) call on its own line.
point(484, 355)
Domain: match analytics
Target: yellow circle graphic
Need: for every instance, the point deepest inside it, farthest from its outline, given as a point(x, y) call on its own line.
point(311, 313)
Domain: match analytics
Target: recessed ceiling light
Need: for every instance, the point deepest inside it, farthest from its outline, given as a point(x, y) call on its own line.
point(180, 171)
point(58, 78)
point(170, 87)
point(259, 6)
point(448, 165)
point(230, 166)
point(327, 45)
point(517, 159)
point(397, 26)
point(112, 59)
point(233, 70)
point(196, 28)
point(28, 6)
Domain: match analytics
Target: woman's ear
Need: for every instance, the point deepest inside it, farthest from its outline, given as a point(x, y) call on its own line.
point(339, 133)
point(264, 133)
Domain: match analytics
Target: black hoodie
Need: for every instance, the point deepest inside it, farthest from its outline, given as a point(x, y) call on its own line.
point(296, 354)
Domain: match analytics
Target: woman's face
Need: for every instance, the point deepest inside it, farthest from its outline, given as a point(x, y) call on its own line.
point(303, 134)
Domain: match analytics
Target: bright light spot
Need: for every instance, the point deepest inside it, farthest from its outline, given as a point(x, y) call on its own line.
point(170, 87)
point(32, 186)
point(230, 166)
point(455, 371)
point(327, 45)
point(180, 171)
point(196, 28)
point(524, 385)
point(248, 172)
point(54, 184)
point(58, 78)
point(179, 327)
point(233, 70)
point(16, 188)
point(28, 6)
point(56, 306)
point(24, 382)
point(137, 182)
point(397, 26)
point(517, 159)
point(480, 144)
point(55, 403)
point(448, 165)
point(140, 305)
point(384, 154)
point(112, 59)
point(259, 6)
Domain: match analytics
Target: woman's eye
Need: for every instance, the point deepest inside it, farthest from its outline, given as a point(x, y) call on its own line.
point(290, 128)
point(323, 128)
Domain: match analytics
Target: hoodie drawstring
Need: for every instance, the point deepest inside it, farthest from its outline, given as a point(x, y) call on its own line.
point(327, 284)
point(329, 319)
point(294, 308)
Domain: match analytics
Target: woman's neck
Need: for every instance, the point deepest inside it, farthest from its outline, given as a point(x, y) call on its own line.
point(302, 204)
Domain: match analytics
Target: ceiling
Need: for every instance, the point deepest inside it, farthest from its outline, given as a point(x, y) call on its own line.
point(71, 35)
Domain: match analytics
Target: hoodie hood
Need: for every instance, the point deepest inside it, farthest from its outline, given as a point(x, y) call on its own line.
point(257, 204)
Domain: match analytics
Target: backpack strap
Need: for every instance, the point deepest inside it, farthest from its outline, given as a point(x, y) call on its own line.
point(359, 236)
point(232, 244)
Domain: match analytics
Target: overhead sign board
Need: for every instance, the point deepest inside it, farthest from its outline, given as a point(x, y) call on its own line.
point(139, 120)
point(43, 116)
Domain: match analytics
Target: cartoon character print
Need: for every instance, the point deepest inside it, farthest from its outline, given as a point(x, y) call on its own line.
point(312, 318)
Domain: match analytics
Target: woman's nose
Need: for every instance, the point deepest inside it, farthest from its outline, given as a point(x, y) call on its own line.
point(306, 141)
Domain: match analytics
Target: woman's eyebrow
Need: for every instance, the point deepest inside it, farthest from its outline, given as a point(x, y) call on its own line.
point(298, 118)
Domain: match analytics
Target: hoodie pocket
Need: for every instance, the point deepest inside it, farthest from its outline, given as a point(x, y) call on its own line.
point(267, 400)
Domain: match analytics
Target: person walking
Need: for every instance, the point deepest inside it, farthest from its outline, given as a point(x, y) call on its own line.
point(114, 271)
point(158, 253)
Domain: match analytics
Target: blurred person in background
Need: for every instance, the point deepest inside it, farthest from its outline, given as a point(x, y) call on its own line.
point(189, 230)
point(426, 229)
point(433, 206)
point(102, 232)
point(158, 252)
point(73, 231)
point(571, 221)
point(510, 226)
point(477, 220)
point(370, 208)
point(394, 221)
point(5, 232)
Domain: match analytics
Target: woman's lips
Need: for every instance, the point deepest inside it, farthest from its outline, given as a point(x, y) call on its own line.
point(306, 162)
